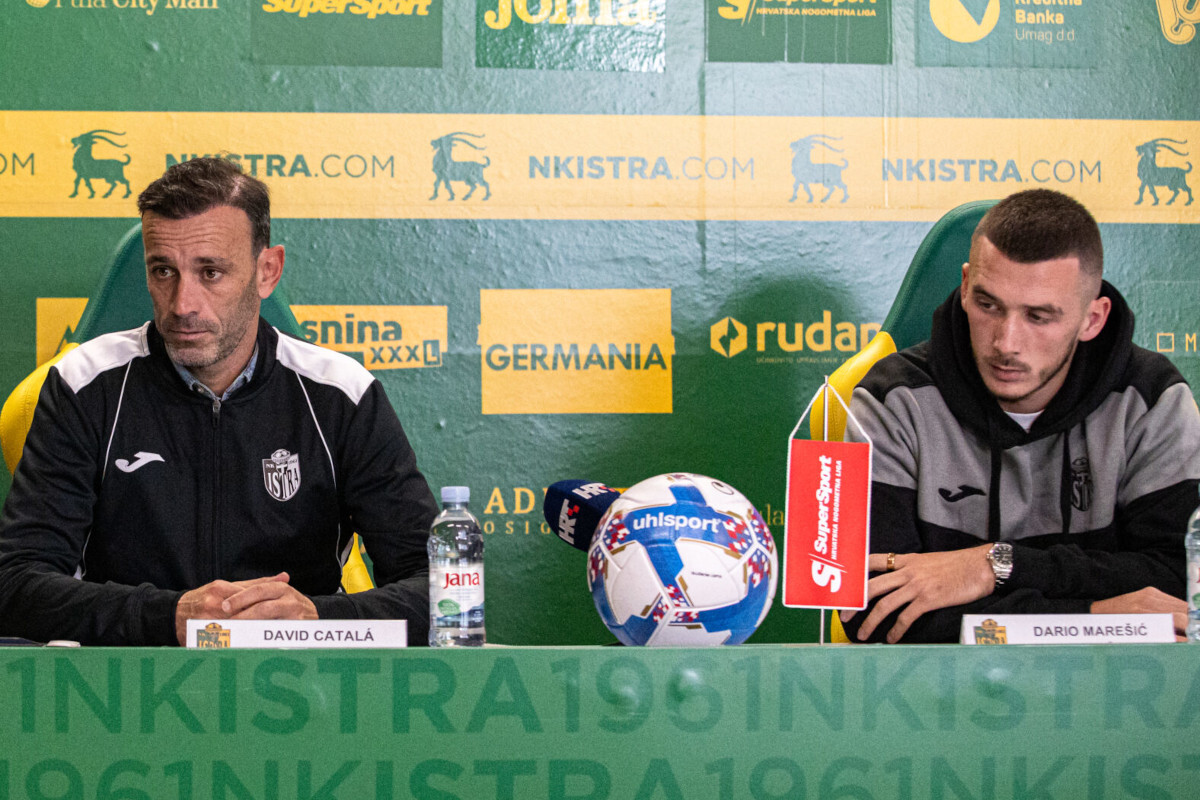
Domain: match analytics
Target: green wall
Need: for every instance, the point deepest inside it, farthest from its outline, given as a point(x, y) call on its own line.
point(757, 258)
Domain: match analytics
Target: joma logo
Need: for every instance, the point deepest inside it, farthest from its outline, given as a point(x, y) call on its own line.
point(557, 12)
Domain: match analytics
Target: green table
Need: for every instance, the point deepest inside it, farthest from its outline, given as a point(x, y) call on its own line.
point(759, 721)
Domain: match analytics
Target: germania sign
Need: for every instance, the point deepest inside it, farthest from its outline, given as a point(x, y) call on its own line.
point(563, 351)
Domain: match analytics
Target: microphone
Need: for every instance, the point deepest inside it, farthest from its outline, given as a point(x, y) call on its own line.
point(574, 508)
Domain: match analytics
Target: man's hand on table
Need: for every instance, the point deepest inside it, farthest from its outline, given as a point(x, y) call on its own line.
point(1147, 601)
point(923, 582)
point(261, 598)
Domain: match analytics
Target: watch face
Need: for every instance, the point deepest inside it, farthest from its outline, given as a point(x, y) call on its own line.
point(1000, 555)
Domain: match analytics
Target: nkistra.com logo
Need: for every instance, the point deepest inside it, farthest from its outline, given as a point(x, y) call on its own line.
point(965, 21)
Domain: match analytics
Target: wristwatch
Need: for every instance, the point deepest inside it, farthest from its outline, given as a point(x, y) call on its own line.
point(1000, 556)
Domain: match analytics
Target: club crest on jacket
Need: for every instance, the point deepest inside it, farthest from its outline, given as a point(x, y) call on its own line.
point(281, 474)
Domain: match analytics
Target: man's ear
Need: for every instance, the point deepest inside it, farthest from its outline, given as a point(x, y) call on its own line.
point(270, 270)
point(962, 292)
point(1094, 317)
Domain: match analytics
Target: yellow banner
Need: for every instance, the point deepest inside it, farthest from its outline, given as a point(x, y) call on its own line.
point(382, 337)
point(508, 166)
point(576, 351)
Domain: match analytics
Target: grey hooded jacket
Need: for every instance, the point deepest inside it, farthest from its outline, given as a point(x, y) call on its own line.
point(1094, 498)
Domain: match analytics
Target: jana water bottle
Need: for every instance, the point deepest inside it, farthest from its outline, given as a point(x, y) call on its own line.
point(455, 573)
point(1192, 543)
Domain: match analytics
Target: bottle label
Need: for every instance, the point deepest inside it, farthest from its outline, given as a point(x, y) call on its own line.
point(455, 591)
point(1193, 584)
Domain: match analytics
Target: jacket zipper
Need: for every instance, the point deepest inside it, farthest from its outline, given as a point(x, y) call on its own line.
point(216, 490)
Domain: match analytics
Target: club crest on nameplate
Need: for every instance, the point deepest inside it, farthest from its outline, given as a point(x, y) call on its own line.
point(281, 474)
point(990, 632)
point(213, 636)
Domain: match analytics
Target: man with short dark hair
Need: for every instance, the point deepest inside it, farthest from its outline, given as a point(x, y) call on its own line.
point(204, 465)
point(1029, 457)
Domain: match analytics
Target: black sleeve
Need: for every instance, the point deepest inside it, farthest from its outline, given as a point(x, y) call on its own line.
point(389, 504)
point(1149, 552)
point(43, 532)
point(894, 530)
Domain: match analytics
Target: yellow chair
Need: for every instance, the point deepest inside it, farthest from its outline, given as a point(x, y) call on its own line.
point(934, 272)
point(121, 302)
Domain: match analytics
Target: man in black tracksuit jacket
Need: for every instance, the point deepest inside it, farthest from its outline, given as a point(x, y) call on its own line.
point(204, 465)
point(1028, 458)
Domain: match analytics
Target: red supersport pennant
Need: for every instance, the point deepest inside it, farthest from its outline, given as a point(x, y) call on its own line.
point(828, 508)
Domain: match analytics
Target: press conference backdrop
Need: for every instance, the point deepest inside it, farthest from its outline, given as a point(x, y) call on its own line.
point(601, 239)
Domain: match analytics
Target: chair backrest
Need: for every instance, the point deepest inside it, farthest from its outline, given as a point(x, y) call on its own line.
point(120, 300)
point(934, 271)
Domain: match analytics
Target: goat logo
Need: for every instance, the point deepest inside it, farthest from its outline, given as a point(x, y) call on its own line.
point(1179, 19)
point(446, 169)
point(1152, 174)
point(805, 171)
point(88, 166)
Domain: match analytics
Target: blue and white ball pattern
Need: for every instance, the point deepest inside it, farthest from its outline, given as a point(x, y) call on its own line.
point(682, 560)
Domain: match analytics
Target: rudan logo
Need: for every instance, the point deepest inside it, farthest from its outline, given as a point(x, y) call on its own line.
point(1152, 174)
point(447, 169)
point(1178, 19)
point(727, 337)
point(965, 21)
point(807, 172)
point(381, 337)
point(576, 351)
point(558, 12)
point(88, 168)
point(38, 3)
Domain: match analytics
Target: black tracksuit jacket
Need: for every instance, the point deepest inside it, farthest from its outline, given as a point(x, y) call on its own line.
point(133, 489)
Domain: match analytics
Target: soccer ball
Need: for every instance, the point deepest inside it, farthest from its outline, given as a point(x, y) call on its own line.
point(682, 560)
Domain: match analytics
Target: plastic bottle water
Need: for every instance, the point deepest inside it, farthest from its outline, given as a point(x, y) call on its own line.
point(1192, 543)
point(455, 573)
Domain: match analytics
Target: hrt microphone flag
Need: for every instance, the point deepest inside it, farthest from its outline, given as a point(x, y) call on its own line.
point(573, 509)
point(828, 502)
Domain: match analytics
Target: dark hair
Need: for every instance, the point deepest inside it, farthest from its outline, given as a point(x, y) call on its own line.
point(195, 186)
point(1041, 224)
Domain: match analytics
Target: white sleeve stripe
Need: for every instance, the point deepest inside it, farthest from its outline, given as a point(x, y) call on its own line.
point(324, 366)
point(96, 356)
point(81, 570)
point(116, 418)
point(340, 558)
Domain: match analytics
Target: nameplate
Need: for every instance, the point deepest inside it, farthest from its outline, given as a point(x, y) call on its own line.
point(1066, 628)
point(308, 633)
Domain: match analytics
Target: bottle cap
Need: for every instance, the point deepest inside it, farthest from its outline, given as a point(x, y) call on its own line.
point(456, 494)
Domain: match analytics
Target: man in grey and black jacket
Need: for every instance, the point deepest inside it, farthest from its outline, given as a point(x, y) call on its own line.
point(1029, 457)
point(205, 466)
